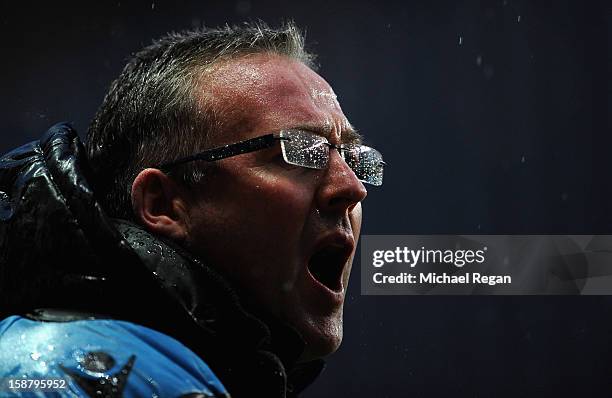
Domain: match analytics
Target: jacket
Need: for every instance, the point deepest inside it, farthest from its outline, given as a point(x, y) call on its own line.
point(64, 262)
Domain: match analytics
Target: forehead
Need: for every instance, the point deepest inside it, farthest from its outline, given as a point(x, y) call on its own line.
point(262, 93)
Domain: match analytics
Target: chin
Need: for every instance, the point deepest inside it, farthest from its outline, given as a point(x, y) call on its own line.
point(322, 339)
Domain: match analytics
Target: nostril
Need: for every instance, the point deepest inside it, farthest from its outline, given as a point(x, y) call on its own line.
point(336, 201)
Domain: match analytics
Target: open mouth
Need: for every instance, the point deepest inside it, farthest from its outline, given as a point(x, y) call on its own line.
point(327, 266)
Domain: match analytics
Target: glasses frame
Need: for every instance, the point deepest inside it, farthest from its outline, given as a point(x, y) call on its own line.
point(246, 146)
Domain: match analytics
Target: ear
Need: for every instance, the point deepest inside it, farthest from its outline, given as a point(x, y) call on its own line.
point(160, 205)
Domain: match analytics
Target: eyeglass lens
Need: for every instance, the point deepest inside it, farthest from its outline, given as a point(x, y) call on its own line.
point(305, 149)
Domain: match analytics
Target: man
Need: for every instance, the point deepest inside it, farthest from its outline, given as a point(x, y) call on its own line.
point(205, 245)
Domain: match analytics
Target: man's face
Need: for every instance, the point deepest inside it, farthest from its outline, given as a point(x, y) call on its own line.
point(285, 235)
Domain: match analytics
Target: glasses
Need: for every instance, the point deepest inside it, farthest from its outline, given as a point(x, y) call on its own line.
point(300, 148)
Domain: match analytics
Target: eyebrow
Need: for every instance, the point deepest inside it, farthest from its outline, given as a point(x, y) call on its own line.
point(348, 136)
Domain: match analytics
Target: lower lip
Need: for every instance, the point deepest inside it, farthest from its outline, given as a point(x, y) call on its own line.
point(328, 296)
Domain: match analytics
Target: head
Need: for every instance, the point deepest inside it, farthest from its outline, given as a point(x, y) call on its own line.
point(285, 236)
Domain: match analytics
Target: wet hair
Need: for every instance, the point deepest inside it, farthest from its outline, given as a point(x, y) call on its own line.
point(153, 114)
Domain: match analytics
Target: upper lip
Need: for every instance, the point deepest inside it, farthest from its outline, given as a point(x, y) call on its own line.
point(338, 239)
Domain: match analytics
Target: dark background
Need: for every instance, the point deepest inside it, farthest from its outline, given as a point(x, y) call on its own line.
point(493, 117)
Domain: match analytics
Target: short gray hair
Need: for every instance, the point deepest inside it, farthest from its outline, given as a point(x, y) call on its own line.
point(152, 115)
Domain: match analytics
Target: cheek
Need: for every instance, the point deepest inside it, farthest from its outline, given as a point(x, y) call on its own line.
point(282, 205)
point(252, 217)
point(255, 234)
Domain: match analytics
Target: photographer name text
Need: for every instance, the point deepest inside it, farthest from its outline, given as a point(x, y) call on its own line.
point(457, 259)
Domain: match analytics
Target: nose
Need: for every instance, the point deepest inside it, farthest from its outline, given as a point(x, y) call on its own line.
point(340, 190)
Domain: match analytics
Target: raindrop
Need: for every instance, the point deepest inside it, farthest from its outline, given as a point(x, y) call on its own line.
point(152, 6)
point(518, 19)
point(479, 60)
point(460, 40)
point(523, 159)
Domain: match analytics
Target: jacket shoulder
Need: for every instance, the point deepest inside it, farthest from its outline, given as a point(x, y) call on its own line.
point(116, 358)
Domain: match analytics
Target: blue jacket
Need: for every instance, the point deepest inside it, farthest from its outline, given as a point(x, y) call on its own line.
point(116, 358)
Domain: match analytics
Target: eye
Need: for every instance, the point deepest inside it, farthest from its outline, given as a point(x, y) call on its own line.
point(280, 161)
point(276, 159)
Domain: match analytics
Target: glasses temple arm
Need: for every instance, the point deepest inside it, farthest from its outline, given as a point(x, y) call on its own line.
point(226, 151)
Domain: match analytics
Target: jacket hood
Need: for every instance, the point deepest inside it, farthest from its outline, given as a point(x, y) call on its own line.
point(55, 238)
point(60, 250)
